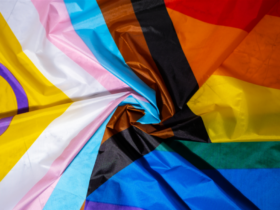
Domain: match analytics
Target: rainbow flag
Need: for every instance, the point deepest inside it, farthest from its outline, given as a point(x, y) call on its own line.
point(139, 104)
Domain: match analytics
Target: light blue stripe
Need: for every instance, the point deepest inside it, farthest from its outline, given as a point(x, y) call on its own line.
point(150, 116)
point(70, 192)
point(90, 25)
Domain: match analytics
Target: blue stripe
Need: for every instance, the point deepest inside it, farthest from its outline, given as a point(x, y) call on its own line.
point(71, 190)
point(261, 186)
point(164, 180)
point(90, 25)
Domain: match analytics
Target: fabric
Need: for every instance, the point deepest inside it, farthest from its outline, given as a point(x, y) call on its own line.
point(139, 104)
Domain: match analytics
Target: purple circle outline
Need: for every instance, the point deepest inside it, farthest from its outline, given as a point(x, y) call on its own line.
point(21, 97)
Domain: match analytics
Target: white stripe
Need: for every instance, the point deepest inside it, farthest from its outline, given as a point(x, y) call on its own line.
point(35, 163)
point(59, 69)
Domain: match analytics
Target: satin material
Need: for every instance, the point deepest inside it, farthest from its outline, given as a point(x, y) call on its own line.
point(173, 182)
point(128, 36)
point(72, 63)
point(110, 57)
point(255, 60)
point(74, 142)
point(46, 57)
point(77, 172)
point(234, 110)
point(60, 31)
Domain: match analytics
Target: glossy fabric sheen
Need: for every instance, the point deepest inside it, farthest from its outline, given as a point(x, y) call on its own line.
point(176, 183)
point(40, 92)
point(109, 57)
point(255, 60)
point(234, 110)
point(234, 13)
point(74, 142)
point(61, 33)
point(129, 37)
point(77, 172)
point(9, 104)
point(22, 102)
point(35, 123)
point(116, 104)
point(245, 155)
point(69, 77)
point(80, 169)
point(198, 39)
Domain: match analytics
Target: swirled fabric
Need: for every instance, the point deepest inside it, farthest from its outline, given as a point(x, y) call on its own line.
point(139, 104)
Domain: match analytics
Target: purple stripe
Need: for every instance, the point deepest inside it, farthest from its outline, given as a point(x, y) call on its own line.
point(21, 97)
point(94, 205)
point(4, 124)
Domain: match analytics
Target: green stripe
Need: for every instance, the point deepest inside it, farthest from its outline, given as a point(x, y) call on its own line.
point(243, 155)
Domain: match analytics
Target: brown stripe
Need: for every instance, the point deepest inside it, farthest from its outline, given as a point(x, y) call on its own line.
point(123, 118)
point(127, 33)
point(126, 116)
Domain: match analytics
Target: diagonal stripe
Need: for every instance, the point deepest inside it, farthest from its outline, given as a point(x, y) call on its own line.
point(39, 91)
point(71, 189)
point(203, 41)
point(256, 59)
point(59, 30)
point(166, 50)
point(128, 36)
point(24, 167)
point(118, 152)
point(165, 180)
point(74, 81)
point(234, 13)
point(275, 11)
point(90, 25)
point(76, 127)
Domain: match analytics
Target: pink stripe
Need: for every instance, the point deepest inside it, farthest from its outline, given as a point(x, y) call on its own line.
point(56, 21)
point(41, 191)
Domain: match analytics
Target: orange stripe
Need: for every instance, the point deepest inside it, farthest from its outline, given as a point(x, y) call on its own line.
point(233, 13)
point(83, 206)
point(205, 45)
point(257, 59)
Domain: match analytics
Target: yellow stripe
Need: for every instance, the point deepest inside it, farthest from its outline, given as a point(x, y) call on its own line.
point(233, 110)
point(23, 131)
point(25, 128)
point(8, 102)
point(40, 92)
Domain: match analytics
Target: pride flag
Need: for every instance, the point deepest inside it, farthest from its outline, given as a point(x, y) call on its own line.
point(139, 104)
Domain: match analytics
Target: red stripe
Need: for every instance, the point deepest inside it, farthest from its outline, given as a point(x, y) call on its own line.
point(243, 14)
point(275, 11)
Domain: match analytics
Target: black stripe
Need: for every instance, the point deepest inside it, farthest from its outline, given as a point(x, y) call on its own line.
point(170, 59)
point(118, 152)
point(166, 50)
point(187, 126)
